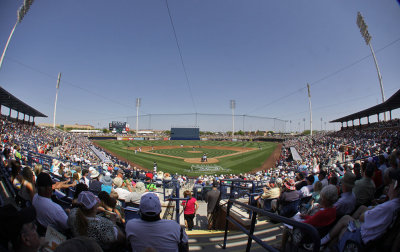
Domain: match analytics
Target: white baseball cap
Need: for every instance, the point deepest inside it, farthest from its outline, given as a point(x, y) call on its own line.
point(88, 199)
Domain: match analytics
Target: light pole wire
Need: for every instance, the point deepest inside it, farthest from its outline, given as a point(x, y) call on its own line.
point(181, 57)
point(326, 76)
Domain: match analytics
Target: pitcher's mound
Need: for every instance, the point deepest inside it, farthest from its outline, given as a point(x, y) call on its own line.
point(198, 161)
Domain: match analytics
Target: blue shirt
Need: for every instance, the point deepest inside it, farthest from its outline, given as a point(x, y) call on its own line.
point(106, 188)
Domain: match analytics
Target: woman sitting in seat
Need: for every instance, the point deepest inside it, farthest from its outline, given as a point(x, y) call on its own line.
point(84, 221)
point(27, 185)
point(289, 200)
point(327, 213)
point(323, 219)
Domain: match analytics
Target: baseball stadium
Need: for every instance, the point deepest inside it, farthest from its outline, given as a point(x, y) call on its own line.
point(259, 126)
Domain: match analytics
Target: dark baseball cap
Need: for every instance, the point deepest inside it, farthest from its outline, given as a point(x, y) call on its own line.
point(44, 180)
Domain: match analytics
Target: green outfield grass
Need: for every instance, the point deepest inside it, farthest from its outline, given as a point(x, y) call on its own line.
point(240, 163)
point(185, 152)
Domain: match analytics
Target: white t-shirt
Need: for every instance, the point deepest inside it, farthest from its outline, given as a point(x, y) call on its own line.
point(122, 193)
point(162, 235)
point(306, 190)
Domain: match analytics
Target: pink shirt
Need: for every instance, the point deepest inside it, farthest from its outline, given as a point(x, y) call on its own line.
point(190, 206)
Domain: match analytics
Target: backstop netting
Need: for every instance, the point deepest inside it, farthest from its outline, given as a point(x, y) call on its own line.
point(208, 122)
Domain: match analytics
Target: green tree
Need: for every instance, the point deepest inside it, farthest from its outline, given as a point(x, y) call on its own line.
point(240, 133)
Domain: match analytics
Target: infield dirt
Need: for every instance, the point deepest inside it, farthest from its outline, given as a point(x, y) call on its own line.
point(239, 150)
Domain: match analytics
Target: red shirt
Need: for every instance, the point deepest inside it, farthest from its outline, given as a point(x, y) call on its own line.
point(322, 218)
point(190, 206)
point(377, 178)
point(150, 175)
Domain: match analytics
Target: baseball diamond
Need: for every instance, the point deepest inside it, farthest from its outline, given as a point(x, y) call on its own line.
point(179, 156)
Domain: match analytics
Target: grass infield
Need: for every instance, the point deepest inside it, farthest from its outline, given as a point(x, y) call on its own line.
point(184, 157)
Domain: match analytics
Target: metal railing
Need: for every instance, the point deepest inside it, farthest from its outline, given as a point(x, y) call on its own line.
point(174, 196)
point(305, 228)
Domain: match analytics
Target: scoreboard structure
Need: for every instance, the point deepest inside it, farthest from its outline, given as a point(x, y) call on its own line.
point(118, 127)
point(185, 134)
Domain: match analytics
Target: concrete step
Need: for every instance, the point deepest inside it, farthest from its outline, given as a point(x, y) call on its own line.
point(236, 241)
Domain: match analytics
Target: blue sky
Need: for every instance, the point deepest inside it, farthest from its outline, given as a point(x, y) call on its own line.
point(259, 53)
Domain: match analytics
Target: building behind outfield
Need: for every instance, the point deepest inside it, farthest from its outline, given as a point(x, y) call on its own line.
point(185, 134)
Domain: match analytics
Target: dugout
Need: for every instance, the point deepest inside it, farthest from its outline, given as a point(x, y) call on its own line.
point(185, 134)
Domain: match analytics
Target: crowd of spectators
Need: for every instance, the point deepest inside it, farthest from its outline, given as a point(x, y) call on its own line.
point(353, 172)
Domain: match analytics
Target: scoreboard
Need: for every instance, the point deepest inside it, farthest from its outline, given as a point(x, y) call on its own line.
point(120, 127)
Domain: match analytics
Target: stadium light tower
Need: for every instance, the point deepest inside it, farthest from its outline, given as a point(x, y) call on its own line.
point(55, 103)
point(233, 106)
point(138, 101)
point(321, 123)
point(367, 37)
point(20, 15)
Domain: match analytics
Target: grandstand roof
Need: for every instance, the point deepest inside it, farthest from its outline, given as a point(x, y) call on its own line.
point(390, 104)
point(16, 104)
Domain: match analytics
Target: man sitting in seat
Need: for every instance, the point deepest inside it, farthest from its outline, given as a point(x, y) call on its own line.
point(19, 228)
point(48, 212)
point(150, 232)
point(364, 189)
point(270, 192)
point(347, 201)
